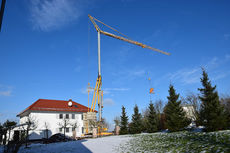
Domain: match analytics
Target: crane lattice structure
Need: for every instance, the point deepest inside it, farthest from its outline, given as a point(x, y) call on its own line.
point(97, 95)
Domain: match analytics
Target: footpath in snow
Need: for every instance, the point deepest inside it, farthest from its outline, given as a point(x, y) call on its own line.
point(97, 145)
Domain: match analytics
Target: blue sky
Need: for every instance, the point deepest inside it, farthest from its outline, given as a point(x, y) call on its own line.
point(48, 49)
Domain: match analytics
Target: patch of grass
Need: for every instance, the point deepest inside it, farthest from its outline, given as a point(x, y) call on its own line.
point(191, 142)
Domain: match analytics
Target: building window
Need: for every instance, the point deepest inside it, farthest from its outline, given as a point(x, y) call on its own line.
point(67, 116)
point(60, 116)
point(60, 129)
point(67, 130)
point(73, 129)
point(73, 116)
point(82, 130)
point(81, 116)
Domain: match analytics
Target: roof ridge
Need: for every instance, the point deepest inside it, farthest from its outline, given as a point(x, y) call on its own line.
point(51, 101)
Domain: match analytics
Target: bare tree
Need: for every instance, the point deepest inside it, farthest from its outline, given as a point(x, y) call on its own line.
point(74, 125)
point(9, 125)
point(159, 106)
point(30, 125)
point(104, 124)
point(225, 100)
point(145, 113)
point(65, 122)
point(1, 132)
point(193, 100)
point(93, 124)
point(117, 120)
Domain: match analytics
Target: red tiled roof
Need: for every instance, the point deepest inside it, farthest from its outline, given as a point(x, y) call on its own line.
point(56, 105)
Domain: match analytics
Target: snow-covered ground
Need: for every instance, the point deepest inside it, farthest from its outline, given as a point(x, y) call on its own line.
point(183, 142)
point(98, 145)
point(1, 148)
point(160, 142)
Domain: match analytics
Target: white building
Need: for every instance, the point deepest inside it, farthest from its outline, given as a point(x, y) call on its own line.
point(49, 115)
point(190, 112)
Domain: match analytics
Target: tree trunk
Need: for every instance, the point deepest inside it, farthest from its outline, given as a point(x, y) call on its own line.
point(9, 136)
point(27, 135)
point(64, 134)
point(4, 139)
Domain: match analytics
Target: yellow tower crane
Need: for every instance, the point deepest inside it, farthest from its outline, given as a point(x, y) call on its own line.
point(97, 96)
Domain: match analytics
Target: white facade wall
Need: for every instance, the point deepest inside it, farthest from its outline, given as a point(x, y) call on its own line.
point(52, 120)
point(189, 110)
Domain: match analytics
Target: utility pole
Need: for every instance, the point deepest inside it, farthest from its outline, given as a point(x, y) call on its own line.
point(2, 12)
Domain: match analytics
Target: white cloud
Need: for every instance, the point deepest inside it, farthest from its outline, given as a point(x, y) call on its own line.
point(116, 89)
point(85, 90)
point(78, 68)
point(193, 74)
point(137, 73)
point(5, 90)
point(213, 63)
point(47, 15)
point(129, 74)
point(108, 102)
point(127, 1)
point(220, 76)
point(106, 91)
point(227, 57)
point(5, 93)
point(226, 36)
point(186, 76)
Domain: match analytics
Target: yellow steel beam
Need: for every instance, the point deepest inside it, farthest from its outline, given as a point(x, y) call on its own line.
point(93, 96)
point(97, 93)
point(133, 42)
point(94, 23)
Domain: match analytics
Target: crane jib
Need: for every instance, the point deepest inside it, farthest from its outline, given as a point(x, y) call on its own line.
point(133, 42)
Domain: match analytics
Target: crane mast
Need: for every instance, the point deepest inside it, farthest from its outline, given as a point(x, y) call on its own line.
point(98, 94)
point(99, 74)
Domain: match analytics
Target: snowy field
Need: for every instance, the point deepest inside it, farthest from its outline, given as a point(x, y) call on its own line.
point(98, 145)
point(185, 142)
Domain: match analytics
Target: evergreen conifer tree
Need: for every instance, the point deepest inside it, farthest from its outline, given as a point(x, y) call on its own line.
point(152, 119)
point(136, 124)
point(124, 122)
point(174, 113)
point(144, 121)
point(212, 112)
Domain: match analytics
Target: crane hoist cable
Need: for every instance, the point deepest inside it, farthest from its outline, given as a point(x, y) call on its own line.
point(111, 28)
point(151, 89)
point(88, 87)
